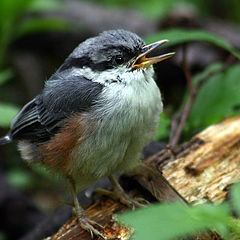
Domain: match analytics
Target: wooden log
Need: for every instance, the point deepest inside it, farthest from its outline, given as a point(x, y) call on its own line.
point(200, 170)
point(204, 173)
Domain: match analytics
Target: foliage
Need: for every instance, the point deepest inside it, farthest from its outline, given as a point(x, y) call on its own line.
point(167, 221)
point(228, 9)
point(7, 111)
point(235, 197)
point(159, 8)
point(219, 93)
point(19, 178)
point(180, 36)
point(218, 98)
point(12, 20)
point(5, 76)
point(151, 8)
point(13, 24)
point(164, 126)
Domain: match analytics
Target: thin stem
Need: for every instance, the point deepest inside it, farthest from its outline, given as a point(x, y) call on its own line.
point(176, 136)
point(174, 124)
point(176, 131)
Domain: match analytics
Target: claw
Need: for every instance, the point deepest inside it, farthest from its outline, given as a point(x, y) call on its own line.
point(83, 221)
point(119, 194)
point(142, 201)
point(96, 224)
point(87, 225)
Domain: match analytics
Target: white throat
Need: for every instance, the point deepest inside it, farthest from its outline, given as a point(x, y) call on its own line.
point(115, 75)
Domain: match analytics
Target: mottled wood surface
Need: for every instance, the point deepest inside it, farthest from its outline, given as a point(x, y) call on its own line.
point(205, 172)
point(103, 213)
point(199, 170)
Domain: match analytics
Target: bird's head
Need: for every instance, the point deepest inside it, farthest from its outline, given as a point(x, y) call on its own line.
point(111, 54)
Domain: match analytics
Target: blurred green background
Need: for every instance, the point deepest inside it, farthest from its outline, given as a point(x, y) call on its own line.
point(37, 35)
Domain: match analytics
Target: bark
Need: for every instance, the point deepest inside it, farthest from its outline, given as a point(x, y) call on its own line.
point(197, 171)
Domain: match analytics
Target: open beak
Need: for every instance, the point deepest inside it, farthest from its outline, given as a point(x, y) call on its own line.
point(143, 61)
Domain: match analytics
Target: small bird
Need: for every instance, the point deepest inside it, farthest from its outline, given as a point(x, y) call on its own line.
point(94, 115)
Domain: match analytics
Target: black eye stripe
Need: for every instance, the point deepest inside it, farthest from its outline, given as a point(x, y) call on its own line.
point(75, 62)
point(85, 62)
point(123, 57)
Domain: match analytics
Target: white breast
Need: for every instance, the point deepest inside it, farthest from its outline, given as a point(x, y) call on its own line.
point(124, 120)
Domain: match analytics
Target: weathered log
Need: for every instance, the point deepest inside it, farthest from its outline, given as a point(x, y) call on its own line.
point(204, 173)
point(199, 170)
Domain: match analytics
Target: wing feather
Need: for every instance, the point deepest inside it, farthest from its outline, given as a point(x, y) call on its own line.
point(42, 117)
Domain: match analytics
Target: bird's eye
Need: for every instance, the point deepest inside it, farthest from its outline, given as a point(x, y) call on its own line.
point(119, 59)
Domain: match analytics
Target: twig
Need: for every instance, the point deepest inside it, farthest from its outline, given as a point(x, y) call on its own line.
point(176, 129)
point(176, 136)
point(174, 124)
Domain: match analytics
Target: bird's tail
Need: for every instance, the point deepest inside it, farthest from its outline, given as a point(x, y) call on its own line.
point(5, 140)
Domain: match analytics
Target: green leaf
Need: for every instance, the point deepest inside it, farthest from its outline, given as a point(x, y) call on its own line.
point(12, 24)
point(235, 229)
point(37, 25)
point(218, 98)
point(235, 197)
point(167, 221)
point(179, 36)
point(45, 5)
point(163, 128)
point(5, 76)
point(11, 9)
point(154, 8)
point(7, 112)
point(209, 71)
point(19, 178)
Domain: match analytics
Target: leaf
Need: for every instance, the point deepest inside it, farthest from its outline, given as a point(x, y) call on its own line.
point(5, 76)
point(45, 5)
point(7, 113)
point(19, 178)
point(154, 8)
point(167, 221)
point(218, 98)
point(37, 25)
point(235, 229)
point(150, 8)
point(235, 197)
point(179, 36)
point(163, 128)
point(209, 71)
point(12, 9)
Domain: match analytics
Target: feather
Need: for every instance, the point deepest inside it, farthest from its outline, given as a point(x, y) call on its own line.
point(42, 117)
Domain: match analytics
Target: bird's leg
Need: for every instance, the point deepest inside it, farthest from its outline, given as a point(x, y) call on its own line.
point(119, 194)
point(83, 220)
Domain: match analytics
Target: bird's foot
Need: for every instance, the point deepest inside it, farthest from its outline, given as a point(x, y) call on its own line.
point(83, 221)
point(123, 197)
point(90, 226)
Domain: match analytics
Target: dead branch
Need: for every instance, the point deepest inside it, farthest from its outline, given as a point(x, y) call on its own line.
point(199, 170)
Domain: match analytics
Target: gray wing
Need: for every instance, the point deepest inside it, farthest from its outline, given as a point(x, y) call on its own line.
point(42, 117)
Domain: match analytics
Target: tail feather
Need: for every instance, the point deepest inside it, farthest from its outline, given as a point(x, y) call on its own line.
point(5, 140)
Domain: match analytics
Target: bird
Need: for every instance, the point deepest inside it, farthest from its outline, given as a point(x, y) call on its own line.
point(94, 115)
